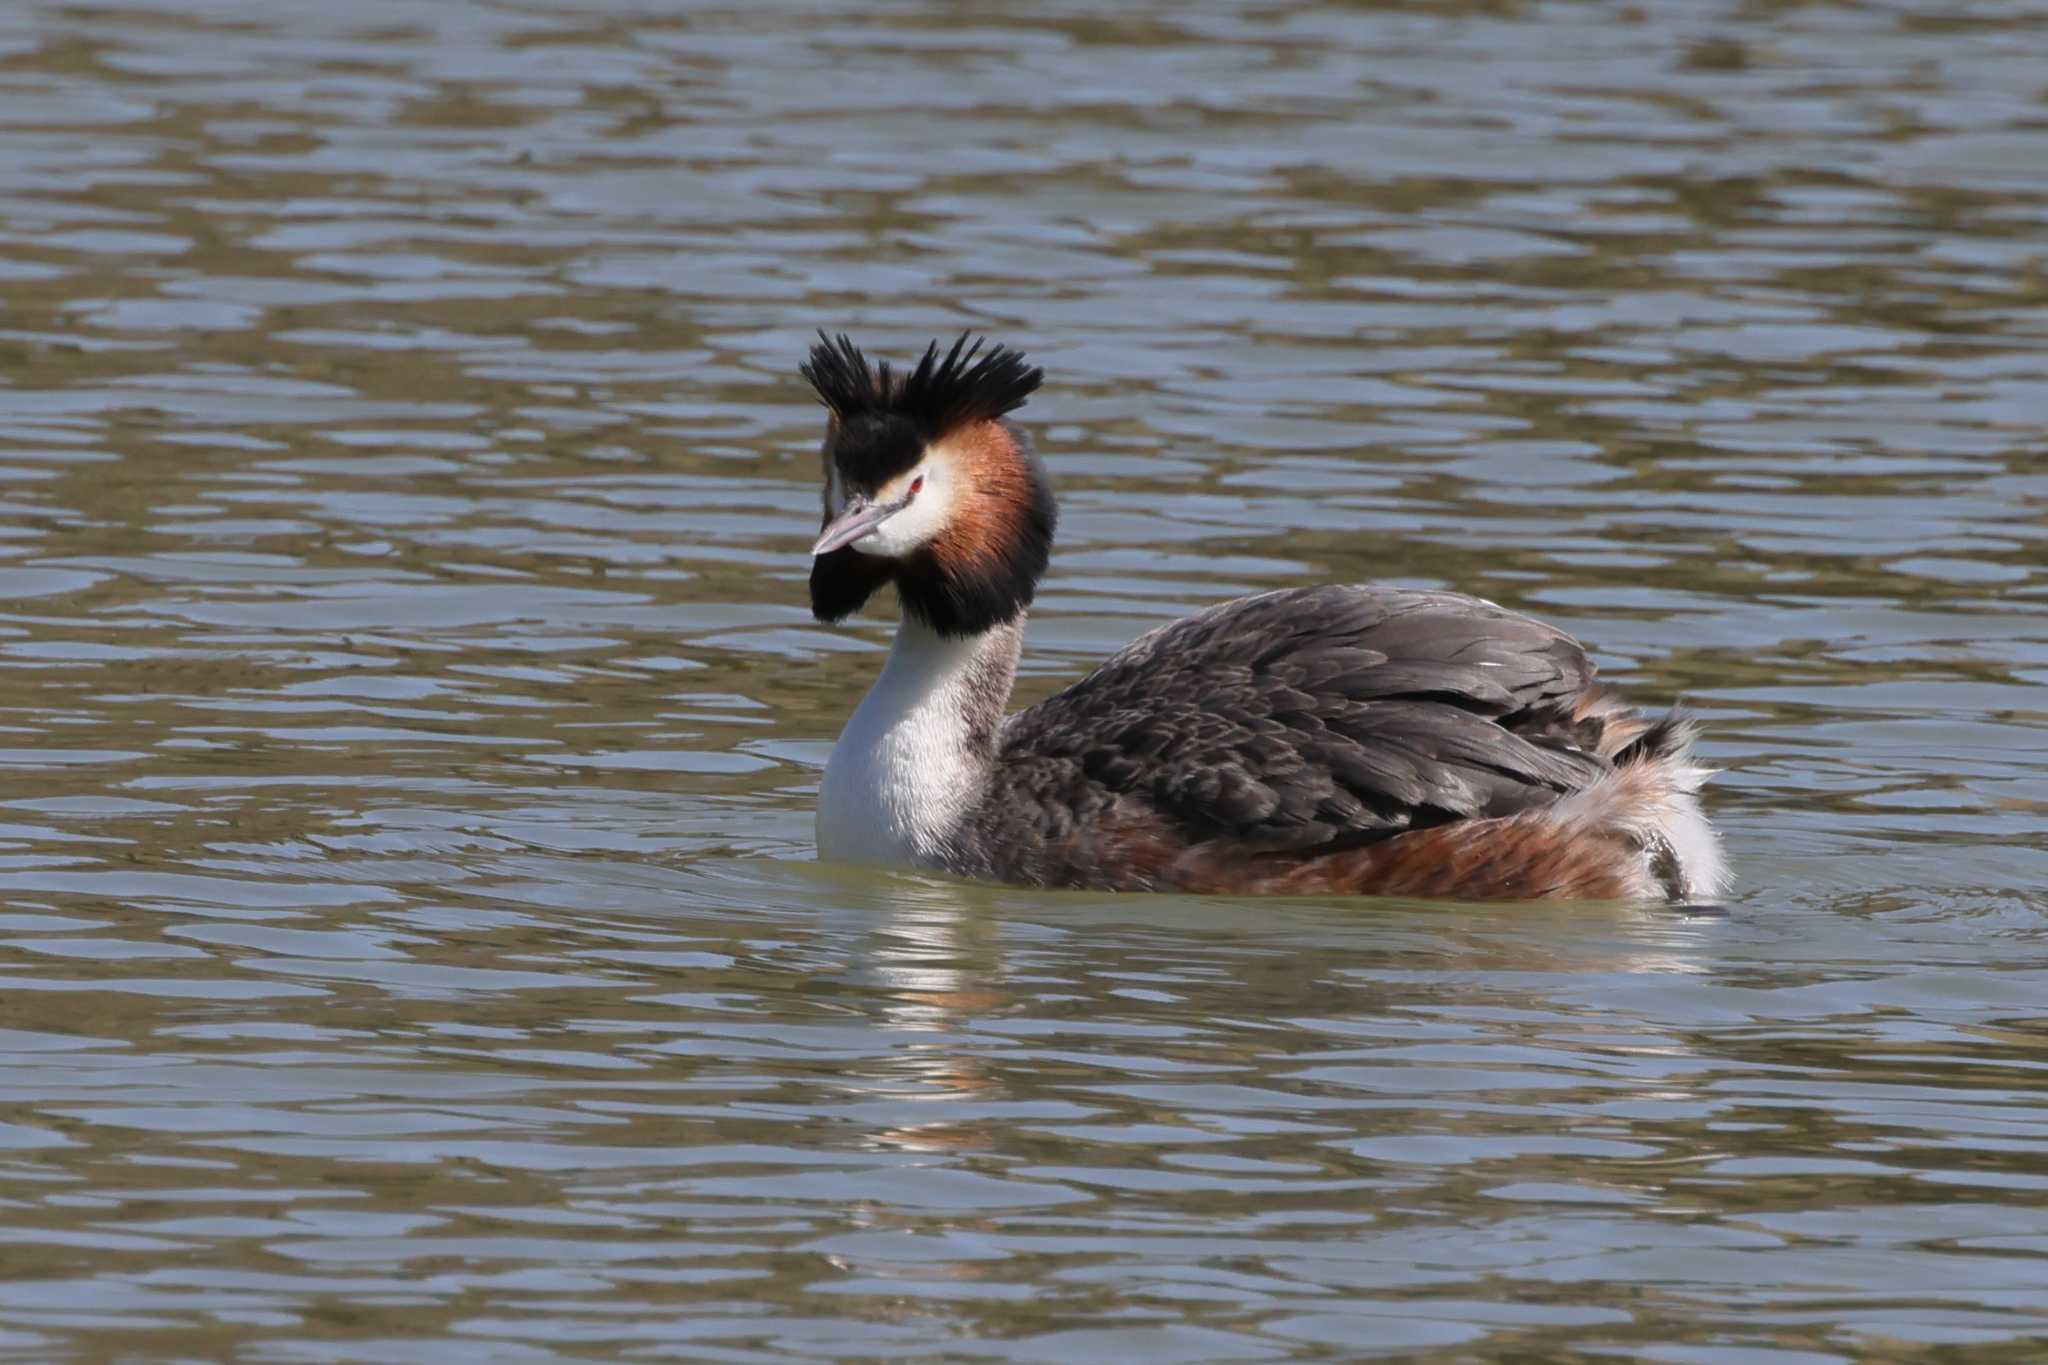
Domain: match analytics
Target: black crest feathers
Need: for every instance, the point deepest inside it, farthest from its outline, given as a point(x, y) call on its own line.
point(984, 565)
point(971, 382)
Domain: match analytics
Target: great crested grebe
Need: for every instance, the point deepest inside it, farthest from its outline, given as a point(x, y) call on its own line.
point(1331, 740)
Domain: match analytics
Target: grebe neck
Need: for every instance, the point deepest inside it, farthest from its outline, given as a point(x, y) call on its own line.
point(918, 749)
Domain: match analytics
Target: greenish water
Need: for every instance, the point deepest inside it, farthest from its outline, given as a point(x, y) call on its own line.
point(412, 946)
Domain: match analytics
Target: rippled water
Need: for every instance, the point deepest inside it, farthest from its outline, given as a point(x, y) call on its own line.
point(412, 946)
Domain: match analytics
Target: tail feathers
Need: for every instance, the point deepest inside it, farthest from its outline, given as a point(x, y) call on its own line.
point(1652, 797)
point(1596, 721)
point(1669, 739)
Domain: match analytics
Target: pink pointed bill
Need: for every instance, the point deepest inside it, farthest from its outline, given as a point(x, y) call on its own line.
point(850, 525)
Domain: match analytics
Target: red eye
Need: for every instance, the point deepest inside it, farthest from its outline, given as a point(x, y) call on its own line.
point(917, 485)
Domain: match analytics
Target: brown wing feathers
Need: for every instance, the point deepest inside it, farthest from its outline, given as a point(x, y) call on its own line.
point(1307, 720)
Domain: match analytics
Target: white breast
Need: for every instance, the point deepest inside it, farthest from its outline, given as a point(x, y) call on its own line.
point(905, 770)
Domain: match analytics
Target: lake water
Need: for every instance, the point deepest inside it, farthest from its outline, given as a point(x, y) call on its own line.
point(413, 949)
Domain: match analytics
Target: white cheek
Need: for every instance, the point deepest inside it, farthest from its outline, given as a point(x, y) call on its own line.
point(905, 531)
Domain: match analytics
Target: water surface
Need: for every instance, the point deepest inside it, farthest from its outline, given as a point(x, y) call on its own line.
point(412, 946)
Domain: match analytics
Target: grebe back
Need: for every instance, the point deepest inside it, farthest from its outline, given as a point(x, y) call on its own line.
point(1327, 740)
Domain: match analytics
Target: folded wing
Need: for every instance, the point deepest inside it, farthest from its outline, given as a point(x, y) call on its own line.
point(1306, 719)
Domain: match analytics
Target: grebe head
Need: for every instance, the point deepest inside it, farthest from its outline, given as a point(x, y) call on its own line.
point(926, 486)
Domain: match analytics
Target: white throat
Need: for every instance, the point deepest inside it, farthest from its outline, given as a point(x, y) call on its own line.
point(916, 753)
